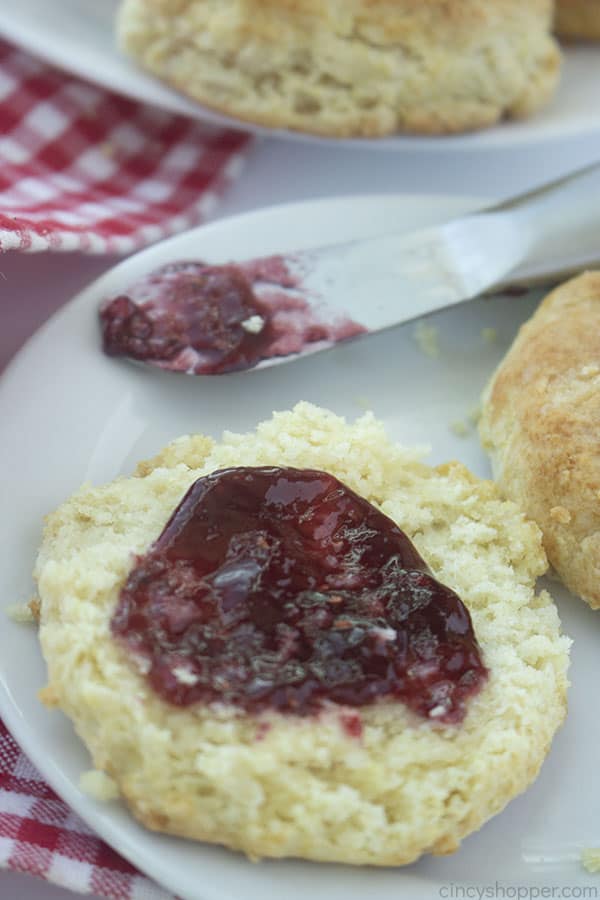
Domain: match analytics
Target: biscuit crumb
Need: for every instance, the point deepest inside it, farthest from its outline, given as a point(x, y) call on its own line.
point(590, 859)
point(21, 613)
point(474, 414)
point(98, 785)
point(142, 664)
point(253, 324)
point(363, 402)
point(426, 337)
point(384, 634)
point(35, 606)
point(460, 428)
point(48, 696)
point(184, 676)
point(560, 514)
point(489, 335)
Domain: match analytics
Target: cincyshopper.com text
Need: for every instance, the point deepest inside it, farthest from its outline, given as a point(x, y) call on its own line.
point(500, 891)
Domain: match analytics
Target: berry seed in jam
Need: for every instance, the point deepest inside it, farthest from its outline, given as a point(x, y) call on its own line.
point(206, 320)
point(280, 588)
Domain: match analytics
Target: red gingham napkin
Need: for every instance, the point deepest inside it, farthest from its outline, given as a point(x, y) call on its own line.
point(40, 835)
point(84, 169)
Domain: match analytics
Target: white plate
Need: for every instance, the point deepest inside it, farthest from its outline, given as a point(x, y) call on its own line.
point(70, 414)
point(78, 35)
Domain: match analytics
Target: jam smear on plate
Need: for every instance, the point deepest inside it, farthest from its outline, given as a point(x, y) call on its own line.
point(281, 588)
point(207, 320)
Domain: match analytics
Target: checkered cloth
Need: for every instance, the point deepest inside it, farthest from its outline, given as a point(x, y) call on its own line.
point(40, 835)
point(84, 169)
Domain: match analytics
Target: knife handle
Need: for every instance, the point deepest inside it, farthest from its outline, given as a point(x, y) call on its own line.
point(561, 220)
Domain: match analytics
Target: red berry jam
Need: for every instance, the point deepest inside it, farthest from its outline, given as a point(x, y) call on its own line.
point(280, 588)
point(206, 320)
point(208, 314)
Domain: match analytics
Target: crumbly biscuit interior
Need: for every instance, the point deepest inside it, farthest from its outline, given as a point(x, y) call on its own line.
point(279, 785)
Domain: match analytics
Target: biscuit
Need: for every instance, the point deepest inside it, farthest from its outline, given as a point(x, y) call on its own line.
point(275, 784)
point(343, 68)
point(540, 421)
point(578, 19)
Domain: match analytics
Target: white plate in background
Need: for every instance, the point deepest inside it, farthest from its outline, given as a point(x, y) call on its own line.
point(78, 35)
point(70, 414)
